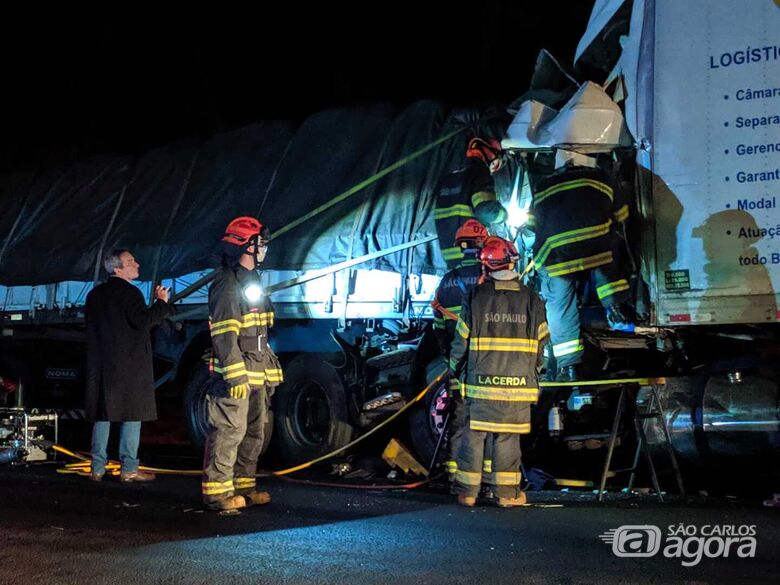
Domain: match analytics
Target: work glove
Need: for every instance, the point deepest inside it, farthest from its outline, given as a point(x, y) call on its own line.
point(239, 392)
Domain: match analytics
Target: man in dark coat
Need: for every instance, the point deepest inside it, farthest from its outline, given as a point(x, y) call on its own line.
point(120, 381)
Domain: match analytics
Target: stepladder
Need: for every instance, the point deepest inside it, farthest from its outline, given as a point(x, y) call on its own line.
point(642, 405)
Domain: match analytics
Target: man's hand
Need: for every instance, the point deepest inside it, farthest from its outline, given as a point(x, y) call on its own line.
point(162, 293)
point(239, 392)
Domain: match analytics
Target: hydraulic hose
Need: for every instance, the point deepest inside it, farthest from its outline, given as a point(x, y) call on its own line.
point(83, 465)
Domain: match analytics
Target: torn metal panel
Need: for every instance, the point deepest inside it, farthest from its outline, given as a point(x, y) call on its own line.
point(589, 122)
point(599, 48)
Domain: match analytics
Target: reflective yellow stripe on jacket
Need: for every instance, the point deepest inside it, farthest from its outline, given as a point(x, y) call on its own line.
point(504, 344)
point(459, 210)
point(508, 394)
point(453, 253)
point(462, 329)
point(570, 237)
point(230, 372)
point(598, 185)
point(226, 326)
point(481, 197)
point(258, 319)
point(579, 264)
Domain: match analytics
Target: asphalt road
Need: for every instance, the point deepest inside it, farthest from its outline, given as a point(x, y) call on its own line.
point(65, 529)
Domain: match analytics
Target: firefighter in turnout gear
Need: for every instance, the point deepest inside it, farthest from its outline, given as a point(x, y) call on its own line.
point(468, 193)
point(446, 308)
point(244, 370)
point(498, 345)
point(573, 214)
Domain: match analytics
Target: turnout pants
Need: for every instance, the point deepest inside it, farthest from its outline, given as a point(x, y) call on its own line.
point(563, 315)
point(456, 428)
point(233, 445)
point(455, 425)
point(504, 476)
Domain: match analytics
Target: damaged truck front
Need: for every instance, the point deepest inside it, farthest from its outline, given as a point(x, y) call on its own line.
point(685, 109)
point(352, 267)
point(662, 91)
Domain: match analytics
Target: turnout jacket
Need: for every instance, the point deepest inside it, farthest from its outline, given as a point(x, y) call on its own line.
point(499, 340)
point(460, 195)
point(447, 302)
point(239, 331)
point(573, 214)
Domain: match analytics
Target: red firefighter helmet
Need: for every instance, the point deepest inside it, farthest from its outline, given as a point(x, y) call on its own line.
point(241, 230)
point(487, 150)
point(471, 231)
point(498, 253)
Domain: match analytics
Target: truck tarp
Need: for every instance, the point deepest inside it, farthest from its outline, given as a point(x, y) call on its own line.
point(170, 206)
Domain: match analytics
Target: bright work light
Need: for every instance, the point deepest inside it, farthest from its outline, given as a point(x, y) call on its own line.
point(253, 293)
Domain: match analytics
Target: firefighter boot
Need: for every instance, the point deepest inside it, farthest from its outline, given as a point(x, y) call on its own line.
point(620, 317)
point(512, 502)
point(255, 498)
point(467, 501)
point(231, 503)
point(568, 374)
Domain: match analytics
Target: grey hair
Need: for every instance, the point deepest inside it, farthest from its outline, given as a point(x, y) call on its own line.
point(113, 260)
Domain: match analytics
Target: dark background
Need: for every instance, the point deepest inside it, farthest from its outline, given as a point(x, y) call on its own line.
point(77, 85)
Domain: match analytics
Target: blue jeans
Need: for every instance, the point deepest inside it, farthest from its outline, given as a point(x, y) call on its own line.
point(129, 439)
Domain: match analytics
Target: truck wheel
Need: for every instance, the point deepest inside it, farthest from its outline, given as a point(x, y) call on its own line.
point(427, 419)
point(195, 409)
point(311, 411)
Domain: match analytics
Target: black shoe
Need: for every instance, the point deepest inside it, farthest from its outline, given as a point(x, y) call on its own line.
point(568, 374)
point(620, 317)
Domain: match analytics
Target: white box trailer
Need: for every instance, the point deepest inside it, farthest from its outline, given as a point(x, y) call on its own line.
point(702, 86)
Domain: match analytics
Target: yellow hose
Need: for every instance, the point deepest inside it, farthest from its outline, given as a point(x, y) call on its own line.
point(82, 467)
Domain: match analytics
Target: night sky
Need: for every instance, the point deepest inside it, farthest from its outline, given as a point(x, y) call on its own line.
point(78, 86)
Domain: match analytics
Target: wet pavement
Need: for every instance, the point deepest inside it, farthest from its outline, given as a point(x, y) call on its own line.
point(66, 529)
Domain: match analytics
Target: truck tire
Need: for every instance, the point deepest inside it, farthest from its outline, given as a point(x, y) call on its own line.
point(311, 411)
point(195, 409)
point(427, 418)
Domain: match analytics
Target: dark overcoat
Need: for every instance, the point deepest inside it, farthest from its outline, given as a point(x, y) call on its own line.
point(120, 381)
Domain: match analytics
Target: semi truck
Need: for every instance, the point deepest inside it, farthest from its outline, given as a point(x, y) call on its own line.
point(676, 99)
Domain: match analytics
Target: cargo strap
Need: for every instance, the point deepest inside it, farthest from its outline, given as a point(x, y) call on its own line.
point(204, 280)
